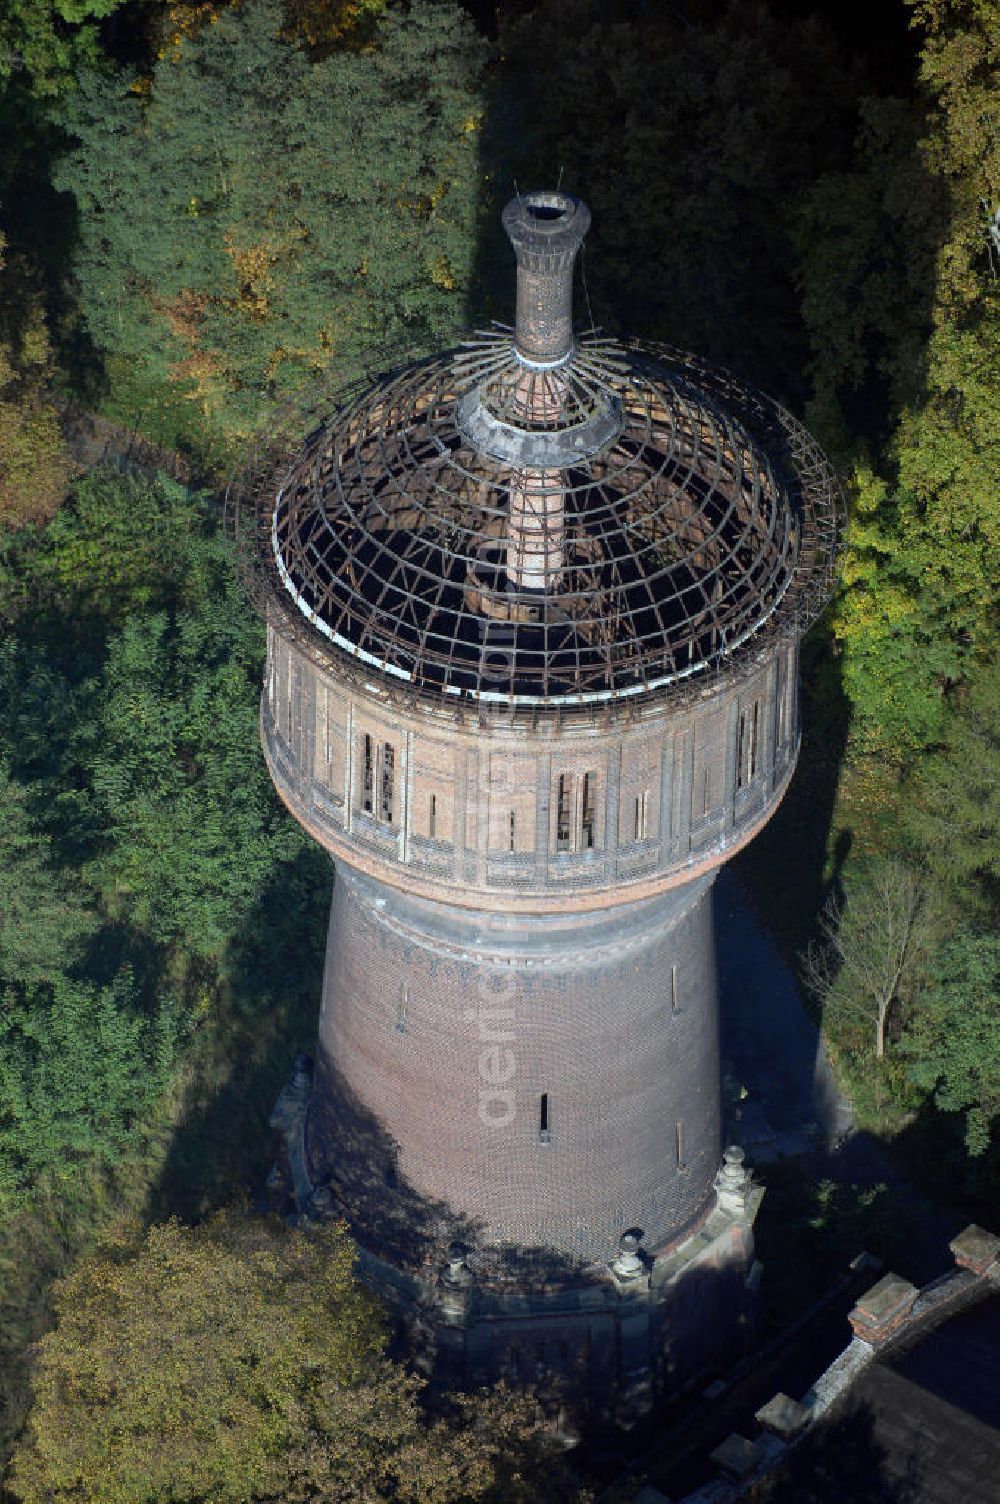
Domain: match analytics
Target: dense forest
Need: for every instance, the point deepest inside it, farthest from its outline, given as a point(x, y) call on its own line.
point(206, 207)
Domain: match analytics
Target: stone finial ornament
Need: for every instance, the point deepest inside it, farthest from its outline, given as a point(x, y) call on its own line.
point(628, 1264)
point(734, 1182)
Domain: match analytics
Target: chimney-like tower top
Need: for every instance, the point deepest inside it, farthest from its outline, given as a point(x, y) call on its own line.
point(623, 518)
point(546, 231)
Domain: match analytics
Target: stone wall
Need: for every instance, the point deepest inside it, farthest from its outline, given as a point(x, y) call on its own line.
point(599, 1342)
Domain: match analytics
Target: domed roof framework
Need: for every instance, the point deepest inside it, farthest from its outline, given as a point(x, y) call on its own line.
point(605, 523)
point(680, 541)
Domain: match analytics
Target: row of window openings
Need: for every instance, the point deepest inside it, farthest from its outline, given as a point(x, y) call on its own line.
point(378, 798)
point(378, 792)
point(580, 834)
point(379, 778)
point(379, 772)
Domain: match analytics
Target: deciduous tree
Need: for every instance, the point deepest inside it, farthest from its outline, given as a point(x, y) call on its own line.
point(80, 1065)
point(255, 217)
point(135, 707)
point(875, 944)
point(240, 1360)
point(33, 465)
point(954, 817)
point(691, 132)
point(953, 1036)
point(48, 40)
point(901, 294)
point(44, 917)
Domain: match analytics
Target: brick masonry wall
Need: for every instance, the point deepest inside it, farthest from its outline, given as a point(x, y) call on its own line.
point(537, 818)
point(442, 1028)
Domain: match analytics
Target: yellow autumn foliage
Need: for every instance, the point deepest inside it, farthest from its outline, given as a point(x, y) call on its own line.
point(34, 468)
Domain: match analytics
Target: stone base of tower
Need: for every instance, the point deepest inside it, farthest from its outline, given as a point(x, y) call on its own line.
point(603, 1348)
point(518, 1117)
point(608, 1349)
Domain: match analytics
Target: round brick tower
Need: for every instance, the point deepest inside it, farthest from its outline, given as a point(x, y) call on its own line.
point(533, 611)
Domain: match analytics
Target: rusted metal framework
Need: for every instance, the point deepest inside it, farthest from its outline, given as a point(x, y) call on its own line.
point(703, 517)
point(539, 520)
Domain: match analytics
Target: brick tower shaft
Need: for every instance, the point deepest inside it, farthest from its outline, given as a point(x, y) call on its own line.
point(542, 1082)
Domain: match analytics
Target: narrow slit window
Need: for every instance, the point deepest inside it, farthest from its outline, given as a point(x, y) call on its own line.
point(544, 1133)
point(746, 748)
point(564, 804)
point(706, 792)
point(368, 776)
point(432, 817)
point(641, 814)
point(403, 1007)
point(587, 811)
point(680, 1147)
point(511, 832)
point(326, 727)
point(388, 790)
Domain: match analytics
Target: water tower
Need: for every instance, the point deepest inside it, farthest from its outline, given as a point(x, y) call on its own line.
point(533, 618)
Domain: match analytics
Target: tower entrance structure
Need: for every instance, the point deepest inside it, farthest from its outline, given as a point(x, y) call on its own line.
point(533, 615)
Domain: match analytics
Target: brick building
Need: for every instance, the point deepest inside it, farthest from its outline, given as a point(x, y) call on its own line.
point(533, 609)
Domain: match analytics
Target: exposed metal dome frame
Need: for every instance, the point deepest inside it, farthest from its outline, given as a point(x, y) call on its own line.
point(706, 521)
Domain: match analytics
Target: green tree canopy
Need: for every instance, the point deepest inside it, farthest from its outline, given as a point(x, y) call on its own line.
point(160, 915)
point(130, 704)
point(691, 132)
point(955, 815)
point(80, 1065)
point(44, 916)
point(48, 40)
point(189, 828)
point(954, 1036)
point(258, 217)
point(33, 466)
point(239, 1361)
point(901, 295)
